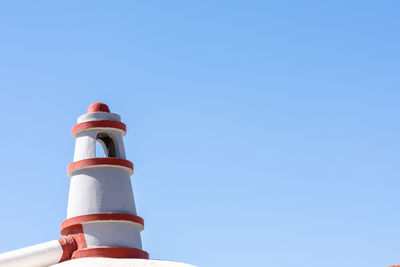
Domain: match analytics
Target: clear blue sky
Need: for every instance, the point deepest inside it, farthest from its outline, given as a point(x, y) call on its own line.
point(263, 133)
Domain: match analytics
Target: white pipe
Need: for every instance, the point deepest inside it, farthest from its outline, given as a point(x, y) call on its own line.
point(40, 255)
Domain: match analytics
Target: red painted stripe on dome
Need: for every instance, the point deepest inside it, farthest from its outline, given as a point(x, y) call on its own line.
point(98, 124)
point(78, 220)
point(111, 252)
point(99, 161)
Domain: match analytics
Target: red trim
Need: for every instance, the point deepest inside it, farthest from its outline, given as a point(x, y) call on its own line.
point(98, 107)
point(98, 124)
point(111, 252)
point(99, 161)
point(74, 240)
point(71, 222)
point(68, 246)
point(76, 231)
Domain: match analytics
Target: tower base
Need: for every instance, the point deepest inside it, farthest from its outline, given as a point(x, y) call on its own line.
point(109, 262)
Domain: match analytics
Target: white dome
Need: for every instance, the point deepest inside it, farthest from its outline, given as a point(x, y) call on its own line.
point(109, 262)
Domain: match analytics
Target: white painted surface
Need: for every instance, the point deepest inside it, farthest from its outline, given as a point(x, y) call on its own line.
point(99, 190)
point(85, 145)
point(106, 262)
point(112, 234)
point(119, 145)
point(40, 255)
point(99, 116)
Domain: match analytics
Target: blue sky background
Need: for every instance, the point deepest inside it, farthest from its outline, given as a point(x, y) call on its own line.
point(263, 133)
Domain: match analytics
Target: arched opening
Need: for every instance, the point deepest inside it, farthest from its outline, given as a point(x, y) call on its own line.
point(107, 144)
point(100, 153)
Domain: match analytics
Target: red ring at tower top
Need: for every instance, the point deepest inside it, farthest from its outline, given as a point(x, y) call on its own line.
point(98, 107)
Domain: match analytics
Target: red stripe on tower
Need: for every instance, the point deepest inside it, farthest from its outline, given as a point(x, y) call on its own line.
point(111, 252)
point(84, 126)
point(98, 162)
point(71, 222)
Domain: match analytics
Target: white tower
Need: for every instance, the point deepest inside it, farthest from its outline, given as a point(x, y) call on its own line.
point(101, 205)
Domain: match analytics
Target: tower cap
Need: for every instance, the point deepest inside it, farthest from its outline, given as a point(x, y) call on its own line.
point(98, 107)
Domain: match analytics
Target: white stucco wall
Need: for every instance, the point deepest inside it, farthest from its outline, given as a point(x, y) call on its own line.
point(100, 189)
point(112, 234)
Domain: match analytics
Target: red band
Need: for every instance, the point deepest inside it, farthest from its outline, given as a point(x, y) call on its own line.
point(111, 252)
point(71, 222)
point(100, 161)
point(98, 124)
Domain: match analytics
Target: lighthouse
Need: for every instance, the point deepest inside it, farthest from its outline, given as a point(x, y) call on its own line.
point(102, 227)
